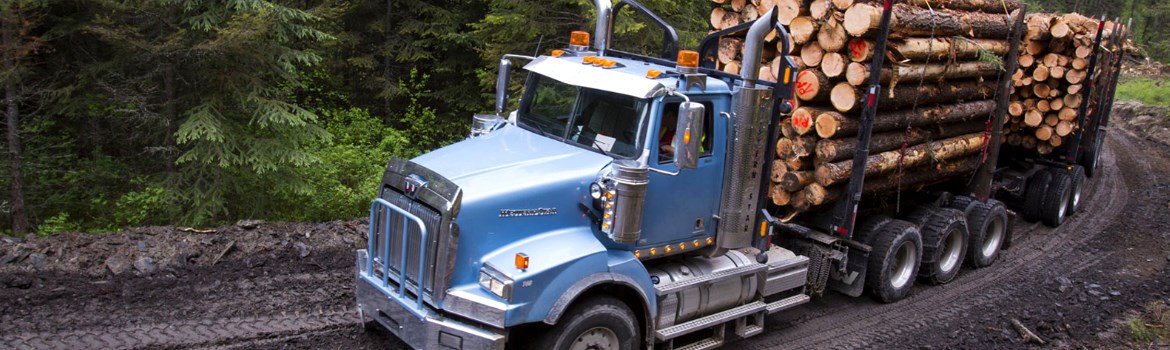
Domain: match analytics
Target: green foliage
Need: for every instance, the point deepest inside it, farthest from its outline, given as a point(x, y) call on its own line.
point(1151, 325)
point(1153, 92)
point(59, 223)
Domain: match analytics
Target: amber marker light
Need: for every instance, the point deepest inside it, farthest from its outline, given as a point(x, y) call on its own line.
point(653, 74)
point(522, 261)
point(688, 59)
point(589, 59)
point(579, 38)
point(558, 53)
point(609, 63)
point(687, 136)
point(763, 228)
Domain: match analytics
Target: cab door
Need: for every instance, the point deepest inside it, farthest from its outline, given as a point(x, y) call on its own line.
point(680, 208)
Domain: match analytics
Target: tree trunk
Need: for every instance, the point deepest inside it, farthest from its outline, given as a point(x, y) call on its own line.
point(803, 119)
point(788, 10)
point(859, 73)
point(729, 48)
point(833, 65)
point(920, 49)
point(832, 150)
point(862, 20)
point(910, 179)
point(835, 125)
point(8, 46)
point(847, 98)
point(812, 85)
point(832, 35)
point(795, 180)
point(812, 54)
point(803, 28)
point(951, 148)
point(171, 114)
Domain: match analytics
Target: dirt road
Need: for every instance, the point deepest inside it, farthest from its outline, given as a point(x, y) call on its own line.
point(268, 285)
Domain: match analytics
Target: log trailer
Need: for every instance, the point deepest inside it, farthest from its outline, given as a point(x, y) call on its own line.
point(567, 224)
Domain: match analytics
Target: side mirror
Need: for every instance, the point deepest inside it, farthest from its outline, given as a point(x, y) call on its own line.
point(688, 135)
point(502, 85)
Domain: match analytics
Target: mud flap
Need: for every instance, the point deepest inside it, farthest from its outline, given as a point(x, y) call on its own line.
point(852, 282)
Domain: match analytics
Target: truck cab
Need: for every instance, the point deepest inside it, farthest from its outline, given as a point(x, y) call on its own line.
point(609, 210)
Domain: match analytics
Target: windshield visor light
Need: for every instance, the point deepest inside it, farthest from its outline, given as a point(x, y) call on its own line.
point(495, 282)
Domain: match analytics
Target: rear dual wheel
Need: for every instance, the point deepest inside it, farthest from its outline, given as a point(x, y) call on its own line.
point(894, 259)
point(987, 227)
point(944, 242)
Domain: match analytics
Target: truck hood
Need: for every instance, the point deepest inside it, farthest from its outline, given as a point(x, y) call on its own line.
point(539, 182)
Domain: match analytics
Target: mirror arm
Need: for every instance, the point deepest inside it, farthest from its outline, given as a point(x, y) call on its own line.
point(664, 172)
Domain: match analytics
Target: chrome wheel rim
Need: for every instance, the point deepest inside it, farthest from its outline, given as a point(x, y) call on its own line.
point(596, 338)
point(994, 237)
point(904, 261)
point(1063, 209)
point(950, 256)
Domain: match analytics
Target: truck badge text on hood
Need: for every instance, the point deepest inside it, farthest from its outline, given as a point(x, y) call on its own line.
point(512, 213)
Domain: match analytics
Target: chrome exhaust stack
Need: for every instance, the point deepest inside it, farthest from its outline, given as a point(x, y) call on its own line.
point(745, 157)
point(604, 21)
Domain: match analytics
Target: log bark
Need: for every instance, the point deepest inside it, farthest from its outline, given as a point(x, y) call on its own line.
point(729, 48)
point(832, 150)
point(990, 6)
point(934, 71)
point(862, 20)
point(778, 171)
point(921, 49)
point(835, 125)
point(906, 95)
point(812, 85)
point(910, 180)
point(880, 163)
point(795, 180)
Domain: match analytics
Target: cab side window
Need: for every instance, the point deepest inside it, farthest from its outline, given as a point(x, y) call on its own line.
point(668, 124)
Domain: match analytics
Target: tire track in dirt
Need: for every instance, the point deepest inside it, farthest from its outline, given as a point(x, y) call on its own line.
point(190, 333)
point(857, 323)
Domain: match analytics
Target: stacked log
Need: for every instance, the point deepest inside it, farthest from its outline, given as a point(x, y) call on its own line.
point(1050, 85)
point(938, 87)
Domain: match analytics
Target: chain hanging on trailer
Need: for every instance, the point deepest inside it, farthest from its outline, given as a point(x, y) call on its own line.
point(914, 106)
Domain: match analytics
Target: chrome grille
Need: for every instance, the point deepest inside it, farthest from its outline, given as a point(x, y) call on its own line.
point(399, 228)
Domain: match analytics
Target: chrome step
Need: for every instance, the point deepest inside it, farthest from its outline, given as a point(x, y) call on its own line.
point(673, 287)
point(705, 344)
point(787, 303)
point(710, 320)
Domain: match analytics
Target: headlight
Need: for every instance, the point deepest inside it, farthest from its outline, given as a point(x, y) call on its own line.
point(495, 282)
point(595, 190)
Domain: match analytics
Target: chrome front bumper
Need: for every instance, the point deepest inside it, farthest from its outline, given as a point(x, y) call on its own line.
point(430, 331)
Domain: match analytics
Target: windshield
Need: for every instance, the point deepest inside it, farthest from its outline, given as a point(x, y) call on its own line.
point(599, 120)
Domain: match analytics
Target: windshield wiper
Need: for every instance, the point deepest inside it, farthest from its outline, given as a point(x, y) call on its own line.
point(538, 128)
point(598, 147)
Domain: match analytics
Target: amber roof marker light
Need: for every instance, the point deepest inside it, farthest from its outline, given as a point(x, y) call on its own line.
point(579, 41)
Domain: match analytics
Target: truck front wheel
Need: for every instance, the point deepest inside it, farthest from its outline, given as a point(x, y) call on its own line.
point(597, 323)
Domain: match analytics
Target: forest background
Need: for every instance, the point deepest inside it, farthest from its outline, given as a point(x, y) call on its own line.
point(201, 112)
